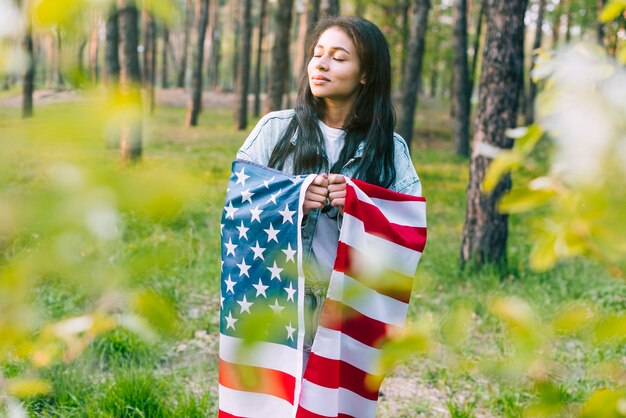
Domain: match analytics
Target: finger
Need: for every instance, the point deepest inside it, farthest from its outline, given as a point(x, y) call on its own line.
point(338, 202)
point(336, 179)
point(337, 187)
point(321, 180)
point(322, 191)
point(337, 195)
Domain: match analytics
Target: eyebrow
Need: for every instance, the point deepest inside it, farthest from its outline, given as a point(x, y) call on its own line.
point(333, 48)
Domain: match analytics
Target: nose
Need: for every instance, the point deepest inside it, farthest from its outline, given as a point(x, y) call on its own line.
point(321, 63)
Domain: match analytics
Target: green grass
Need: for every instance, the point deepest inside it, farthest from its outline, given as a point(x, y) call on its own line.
point(121, 375)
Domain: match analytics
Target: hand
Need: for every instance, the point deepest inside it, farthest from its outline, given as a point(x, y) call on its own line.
point(337, 191)
point(316, 194)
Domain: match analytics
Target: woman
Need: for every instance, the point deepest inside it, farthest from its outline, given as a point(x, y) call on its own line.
point(342, 125)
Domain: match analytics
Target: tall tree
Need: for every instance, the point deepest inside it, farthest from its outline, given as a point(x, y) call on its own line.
point(216, 45)
point(599, 24)
point(182, 68)
point(235, 18)
point(477, 38)
point(532, 86)
point(280, 62)
point(28, 77)
point(94, 47)
point(195, 101)
point(413, 71)
point(149, 55)
point(259, 54)
point(460, 97)
point(130, 78)
point(111, 57)
point(313, 14)
point(485, 231)
point(332, 8)
point(569, 16)
point(164, 58)
point(244, 71)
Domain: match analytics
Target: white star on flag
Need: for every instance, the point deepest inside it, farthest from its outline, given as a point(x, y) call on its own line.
point(230, 211)
point(287, 214)
point(290, 331)
point(274, 196)
point(230, 285)
point(242, 177)
point(230, 247)
point(245, 305)
point(272, 233)
point(276, 307)
point(256, 214)
point(275, 271)
point(230, 321)
point(260, 288)
point(290, 253)
point(246, 195)
point(290, 292)
point(266, 183)
point(243, 268)
point(258, 251)
point(222, 299)
point(243, 231)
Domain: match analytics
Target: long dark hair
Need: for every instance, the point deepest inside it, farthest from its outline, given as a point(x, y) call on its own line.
point(373, 117)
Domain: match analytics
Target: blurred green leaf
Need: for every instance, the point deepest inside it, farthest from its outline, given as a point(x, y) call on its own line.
point(605, 403)
point(27, 387)
point(502, 164)
point(543, 254)
point(523, 199)
point(611, 329)
point(158, 311)
point(573, 318)
point(612, 10)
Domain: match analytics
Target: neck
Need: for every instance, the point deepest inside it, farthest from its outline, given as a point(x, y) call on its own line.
point(336, 114)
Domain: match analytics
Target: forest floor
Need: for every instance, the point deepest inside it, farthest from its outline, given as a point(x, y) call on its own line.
point(469, 378)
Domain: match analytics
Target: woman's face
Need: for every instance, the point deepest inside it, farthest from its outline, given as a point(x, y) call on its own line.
point(335, 70)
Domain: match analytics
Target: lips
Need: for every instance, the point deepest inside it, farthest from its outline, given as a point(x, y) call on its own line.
point(320, 78)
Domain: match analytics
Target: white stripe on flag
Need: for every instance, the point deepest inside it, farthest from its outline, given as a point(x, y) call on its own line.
point(334, 345)
point(250, 404)
point(384, 254)
point(262, 354)
point(330, 402)
point(356, 295)
point(409, 213)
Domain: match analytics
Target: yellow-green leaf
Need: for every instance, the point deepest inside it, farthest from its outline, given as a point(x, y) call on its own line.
point(503, 164)
point(604, 403)
point(612, 10)
point(28, 387)
point(524, 199)
point(527, 142)
point(543, 255)
point(573, 318)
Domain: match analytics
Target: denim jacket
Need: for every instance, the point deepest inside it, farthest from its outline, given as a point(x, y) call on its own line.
point(260, 143)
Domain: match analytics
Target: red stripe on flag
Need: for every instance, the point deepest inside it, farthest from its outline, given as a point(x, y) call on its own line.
point(339, 317)
point(377, 192)
point(222, 414)
point(392, 284)
point(375, 223)
point(257, 379)
point(334, 374)
point(305, 413)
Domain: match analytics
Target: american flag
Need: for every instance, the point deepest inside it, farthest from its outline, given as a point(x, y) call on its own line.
point(382, 237)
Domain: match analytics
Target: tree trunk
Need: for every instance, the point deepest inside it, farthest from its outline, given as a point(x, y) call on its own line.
point(182, 69)
point(405, 31)
point(280, 60)
point(195, 102)
point(244, 71)
point(28, 77)
point(485, 230)
point(59, 58)
point(460, 97)
point(301, 59)
point(111, 57)
point(130, 79)
point(556, 25)
point(259, 55)
point(332, 8)
point(360, 7)
point(149, 56)
point(94, 47)
point(600, 25)
point(413, 69)
point(479, 30)
point(235, 15)
point(164, 58)
point(568, 27)
point(216, 46)
point(532, 86)
point(313, 14)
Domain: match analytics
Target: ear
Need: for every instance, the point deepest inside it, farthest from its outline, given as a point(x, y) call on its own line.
point(362, 80)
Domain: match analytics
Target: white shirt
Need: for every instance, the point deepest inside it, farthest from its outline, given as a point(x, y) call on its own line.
point(326, 235)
